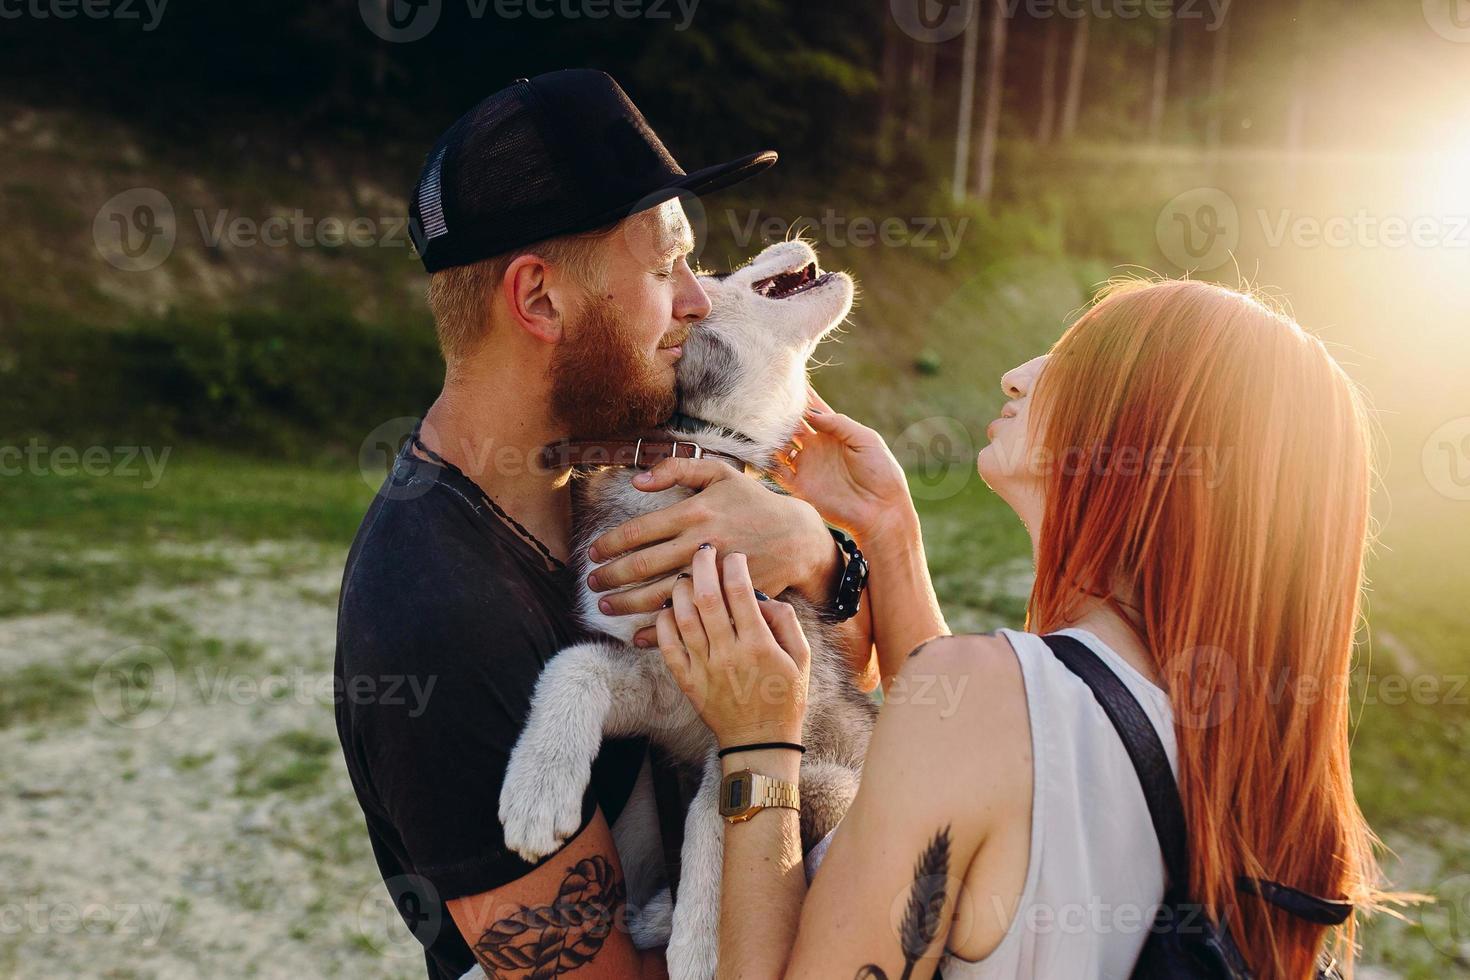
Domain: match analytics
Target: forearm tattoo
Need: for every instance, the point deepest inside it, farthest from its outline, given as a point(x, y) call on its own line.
point(542, 941)
point(921, 917)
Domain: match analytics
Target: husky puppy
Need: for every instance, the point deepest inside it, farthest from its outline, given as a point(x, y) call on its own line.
point(742, 384)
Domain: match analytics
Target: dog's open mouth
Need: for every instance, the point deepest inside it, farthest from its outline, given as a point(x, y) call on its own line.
point(786, 284)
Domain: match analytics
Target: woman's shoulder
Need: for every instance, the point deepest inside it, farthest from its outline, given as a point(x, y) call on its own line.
point(964, 699)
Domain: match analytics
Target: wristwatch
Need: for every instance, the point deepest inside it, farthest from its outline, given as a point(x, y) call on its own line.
point(743, 794)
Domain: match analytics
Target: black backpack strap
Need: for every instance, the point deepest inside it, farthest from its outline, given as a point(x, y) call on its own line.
point(1162, 793)
point(1141, 740)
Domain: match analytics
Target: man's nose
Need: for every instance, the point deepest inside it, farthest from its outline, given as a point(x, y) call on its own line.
point(691, 304)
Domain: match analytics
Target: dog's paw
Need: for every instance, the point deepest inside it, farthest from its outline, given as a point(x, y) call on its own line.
point(693, 956)
point(540, 804)
point(651, 925)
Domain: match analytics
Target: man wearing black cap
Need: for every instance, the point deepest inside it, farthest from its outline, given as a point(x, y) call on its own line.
point(549, 219)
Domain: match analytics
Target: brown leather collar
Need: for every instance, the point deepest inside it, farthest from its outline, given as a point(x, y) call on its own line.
point(641, 453)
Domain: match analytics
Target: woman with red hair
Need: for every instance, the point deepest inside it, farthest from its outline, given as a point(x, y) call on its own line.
point(1193, 469)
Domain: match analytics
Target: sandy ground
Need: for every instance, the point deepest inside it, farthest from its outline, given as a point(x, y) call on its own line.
point(137, 841)
point(204, 825)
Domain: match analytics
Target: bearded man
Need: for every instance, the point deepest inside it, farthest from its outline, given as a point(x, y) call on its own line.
point(550, 222)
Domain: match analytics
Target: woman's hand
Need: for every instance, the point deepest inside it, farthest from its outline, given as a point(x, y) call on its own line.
point(741, 660)
point(845, 470)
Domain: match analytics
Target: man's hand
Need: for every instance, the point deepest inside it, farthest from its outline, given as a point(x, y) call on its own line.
point(783, 538)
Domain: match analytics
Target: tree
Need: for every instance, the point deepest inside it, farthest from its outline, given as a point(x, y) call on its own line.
point(994, 84)
point(1046, 120)
point(967, 102)
point(921, 92)
point(1218, 64)
point(1160, 91)
point(1075, 69)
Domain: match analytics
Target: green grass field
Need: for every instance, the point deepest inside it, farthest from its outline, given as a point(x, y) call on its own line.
point(226, 573)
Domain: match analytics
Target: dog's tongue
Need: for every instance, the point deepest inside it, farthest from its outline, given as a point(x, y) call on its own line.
point(784, 282)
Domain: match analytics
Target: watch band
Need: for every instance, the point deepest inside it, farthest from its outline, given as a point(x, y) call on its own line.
point(849, 598)
point(744, 793)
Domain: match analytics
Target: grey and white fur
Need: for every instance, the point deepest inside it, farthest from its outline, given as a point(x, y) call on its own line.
point(743, 372)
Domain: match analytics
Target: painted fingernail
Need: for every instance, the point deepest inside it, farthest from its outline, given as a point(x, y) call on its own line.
point(668, 603)
point(605, 606)
point(682, 575)
point(642, 478)
point(704, 546)
point(592, 582)
point(761, 595)
point(641, 643)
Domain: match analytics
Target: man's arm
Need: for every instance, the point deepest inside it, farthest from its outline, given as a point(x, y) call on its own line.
point(570, 913)
point(784, 539)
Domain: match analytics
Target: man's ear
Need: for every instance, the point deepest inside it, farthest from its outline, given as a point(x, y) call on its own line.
point(528, 299)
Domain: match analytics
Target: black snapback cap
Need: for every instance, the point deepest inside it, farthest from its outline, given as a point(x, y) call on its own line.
point(557, 154)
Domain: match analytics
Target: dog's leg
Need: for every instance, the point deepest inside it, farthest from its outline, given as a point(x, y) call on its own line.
point(586, 691)
point(695, 940)
point(827, 790)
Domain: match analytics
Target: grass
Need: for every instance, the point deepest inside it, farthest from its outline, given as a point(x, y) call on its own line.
point(80, 545)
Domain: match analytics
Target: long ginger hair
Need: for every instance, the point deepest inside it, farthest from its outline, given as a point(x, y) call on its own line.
point(1208, 461)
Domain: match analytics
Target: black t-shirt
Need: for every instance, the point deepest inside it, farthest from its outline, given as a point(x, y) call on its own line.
point(445, 620)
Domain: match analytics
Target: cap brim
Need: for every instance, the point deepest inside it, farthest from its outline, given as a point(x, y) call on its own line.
point(699, 183)
point(723, 175)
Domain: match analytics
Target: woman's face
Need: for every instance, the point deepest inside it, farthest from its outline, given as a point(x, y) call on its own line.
point(1005, 464)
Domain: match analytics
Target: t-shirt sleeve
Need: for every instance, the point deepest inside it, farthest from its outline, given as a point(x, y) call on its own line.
point(436, 753)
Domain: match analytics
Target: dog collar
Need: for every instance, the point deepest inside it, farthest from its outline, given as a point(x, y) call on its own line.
point(641, 453)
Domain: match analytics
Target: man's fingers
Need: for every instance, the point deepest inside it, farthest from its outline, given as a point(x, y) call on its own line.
point(642, 599)
point(709, 600)
point(785, 627)
point(740, 596)
point(696, 474)
point(649, 562)
point(641, 531)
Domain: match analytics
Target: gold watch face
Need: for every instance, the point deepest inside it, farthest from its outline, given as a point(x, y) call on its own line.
point(736, 793)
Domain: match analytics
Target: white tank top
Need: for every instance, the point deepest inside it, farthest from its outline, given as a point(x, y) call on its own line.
point(1095, 874)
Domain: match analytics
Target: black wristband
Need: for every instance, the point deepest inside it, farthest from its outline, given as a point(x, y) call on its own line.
point(849, 598)
point(753, 746)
